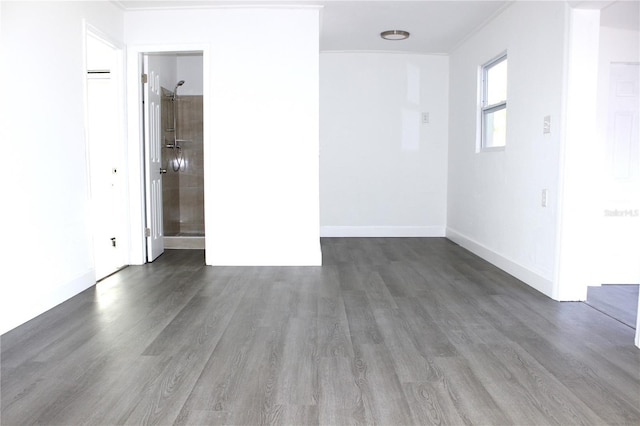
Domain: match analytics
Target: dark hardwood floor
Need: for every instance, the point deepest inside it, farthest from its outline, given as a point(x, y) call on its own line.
point(388, 331)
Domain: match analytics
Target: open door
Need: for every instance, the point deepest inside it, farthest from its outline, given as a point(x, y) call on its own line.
point(153, 160)
point(621, 180)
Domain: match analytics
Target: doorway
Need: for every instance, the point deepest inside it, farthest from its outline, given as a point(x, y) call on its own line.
point(174, 151)
point(105, 150)
point(620, 224)
point(618, 124)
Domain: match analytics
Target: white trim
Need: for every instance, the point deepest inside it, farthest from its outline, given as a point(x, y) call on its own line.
point(304, 257)
point(204, 6)
point(533, 279)
point(135, 157)
point(638, 324)
point(560, 192)
point(382, 231)
point(386, 52)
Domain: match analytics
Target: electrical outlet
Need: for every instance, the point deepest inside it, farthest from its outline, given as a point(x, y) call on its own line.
point(545, 194)
point(425, 118)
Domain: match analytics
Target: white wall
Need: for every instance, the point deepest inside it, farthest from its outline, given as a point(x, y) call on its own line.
point(578, 240)
point(494, 198)
point(175, 67)
point(167, 67)
point(383, 172)
point(190, 70)
point(47, 240)
point(260, 127)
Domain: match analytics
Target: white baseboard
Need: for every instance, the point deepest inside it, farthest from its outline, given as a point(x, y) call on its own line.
point(522, 273)
point(382, 231)
point(309, 255)
point(25, 308)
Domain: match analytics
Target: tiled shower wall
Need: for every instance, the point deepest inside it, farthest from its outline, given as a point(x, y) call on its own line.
point(183, 190)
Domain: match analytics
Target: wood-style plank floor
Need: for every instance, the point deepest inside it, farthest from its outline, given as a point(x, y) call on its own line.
point(388, 331)
point(619, 301)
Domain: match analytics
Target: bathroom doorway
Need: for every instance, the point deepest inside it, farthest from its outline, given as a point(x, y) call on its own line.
point(181, 218)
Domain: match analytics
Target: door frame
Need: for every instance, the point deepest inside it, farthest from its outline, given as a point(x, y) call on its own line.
point(135, 136)
point(579, 101)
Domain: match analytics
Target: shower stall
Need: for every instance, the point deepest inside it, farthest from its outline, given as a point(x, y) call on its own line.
point(182, 158)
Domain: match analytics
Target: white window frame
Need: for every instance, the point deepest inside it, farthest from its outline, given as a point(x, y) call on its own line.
point(485, 109)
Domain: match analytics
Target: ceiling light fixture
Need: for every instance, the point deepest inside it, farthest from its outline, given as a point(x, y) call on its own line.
point(395, 35)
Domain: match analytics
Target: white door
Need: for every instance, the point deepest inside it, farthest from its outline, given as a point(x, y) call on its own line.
point(103, 136)
point(621, 224)
point(153, 161)
point(103, 175)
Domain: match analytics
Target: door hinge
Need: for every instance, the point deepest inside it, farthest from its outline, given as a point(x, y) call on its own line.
point(147, 232)
point(144, 79)
point(113, 241)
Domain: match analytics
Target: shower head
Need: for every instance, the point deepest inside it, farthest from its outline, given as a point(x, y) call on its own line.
point(175, 90)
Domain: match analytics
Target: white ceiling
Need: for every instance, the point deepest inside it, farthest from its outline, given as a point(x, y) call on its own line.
point(621, 14)
point(435, 26)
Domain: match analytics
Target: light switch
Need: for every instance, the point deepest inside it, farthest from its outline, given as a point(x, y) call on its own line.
point(545, 194)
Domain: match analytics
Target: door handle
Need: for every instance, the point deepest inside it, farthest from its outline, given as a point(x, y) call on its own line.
point(163, 171)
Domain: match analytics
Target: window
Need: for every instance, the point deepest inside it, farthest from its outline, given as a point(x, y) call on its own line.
point(493, 114)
